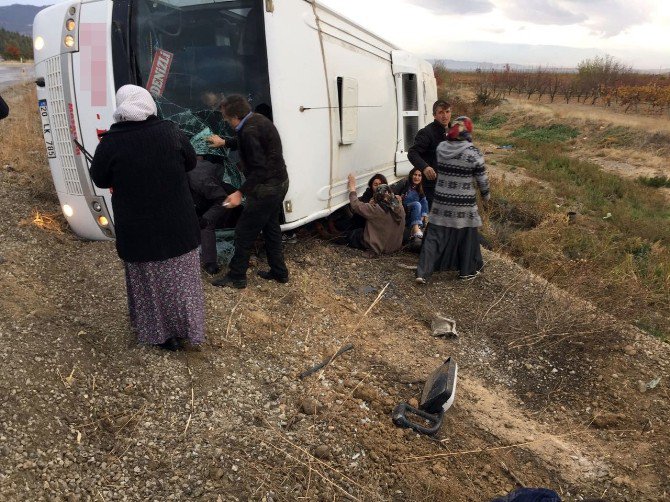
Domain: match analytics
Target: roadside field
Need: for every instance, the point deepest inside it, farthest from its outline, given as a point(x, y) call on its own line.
point(556, 388)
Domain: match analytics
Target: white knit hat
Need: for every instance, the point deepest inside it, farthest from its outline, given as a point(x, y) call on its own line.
point(133, 103)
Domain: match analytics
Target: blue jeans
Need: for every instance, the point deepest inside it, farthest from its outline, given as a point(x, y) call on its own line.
point(413, 210)
point(415, 207)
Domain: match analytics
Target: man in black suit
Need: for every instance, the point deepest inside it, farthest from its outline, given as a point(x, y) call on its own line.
point(265, 186)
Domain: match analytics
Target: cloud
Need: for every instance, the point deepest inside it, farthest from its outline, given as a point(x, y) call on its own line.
point(607, 18)
point(542, 12)
point(441, 7)
point(604, 18)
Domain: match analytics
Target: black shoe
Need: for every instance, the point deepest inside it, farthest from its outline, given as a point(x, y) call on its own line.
point(268, 275)
point(229, 282)
point(171, 344)
point(211, 268)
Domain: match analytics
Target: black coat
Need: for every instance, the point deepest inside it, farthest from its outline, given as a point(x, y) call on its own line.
point(145, 165)
point(206, 186)
point(4, 109)
point(261, 153)
point(423, 152)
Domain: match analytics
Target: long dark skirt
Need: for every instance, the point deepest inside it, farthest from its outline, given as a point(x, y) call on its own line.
point(166, 300)
point(446, 248)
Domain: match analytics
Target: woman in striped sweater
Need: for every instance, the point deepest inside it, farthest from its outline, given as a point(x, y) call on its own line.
point(452, 240)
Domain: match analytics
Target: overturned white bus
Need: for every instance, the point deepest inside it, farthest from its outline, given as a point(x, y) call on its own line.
point(343, 99)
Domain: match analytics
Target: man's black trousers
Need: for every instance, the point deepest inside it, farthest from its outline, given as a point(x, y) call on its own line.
point(260, 214)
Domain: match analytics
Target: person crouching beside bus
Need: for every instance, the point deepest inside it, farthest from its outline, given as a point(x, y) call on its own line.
point(209, 192)
point(452, 241)
point(384, 220)
point(145, 160)
point(265, 187)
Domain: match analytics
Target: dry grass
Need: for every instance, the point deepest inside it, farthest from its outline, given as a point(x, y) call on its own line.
point(52, 222)
point(622, 266)
point(621, 263)
point(586, 113)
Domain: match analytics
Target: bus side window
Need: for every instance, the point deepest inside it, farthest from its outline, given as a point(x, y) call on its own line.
point(410, 108)
point(347, 97)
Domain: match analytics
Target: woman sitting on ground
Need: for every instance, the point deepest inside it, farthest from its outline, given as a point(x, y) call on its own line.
point(452, 241)
point(384, 220)
point(373, 183)
point(356, 220)
point(414, 200)
point(344, 219)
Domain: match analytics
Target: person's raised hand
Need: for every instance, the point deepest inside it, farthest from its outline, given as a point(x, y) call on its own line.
point(351, 182)
point(215, 141)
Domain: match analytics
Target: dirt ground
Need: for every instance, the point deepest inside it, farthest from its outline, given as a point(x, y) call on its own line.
point(551, 391)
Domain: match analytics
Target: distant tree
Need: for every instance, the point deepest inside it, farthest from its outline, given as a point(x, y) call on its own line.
point(11, 42)
point(12, 52)
point(599, 76)
point(441, 72)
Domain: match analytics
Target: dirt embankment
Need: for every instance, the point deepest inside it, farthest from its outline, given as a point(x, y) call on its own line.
point(552, 392)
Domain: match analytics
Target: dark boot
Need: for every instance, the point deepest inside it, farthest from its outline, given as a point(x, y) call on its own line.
point(268, 275)
point(228, 282)
point(171, 344)
point(211, 268)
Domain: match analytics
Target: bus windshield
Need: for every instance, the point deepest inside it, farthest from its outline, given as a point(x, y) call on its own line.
point(190, 54)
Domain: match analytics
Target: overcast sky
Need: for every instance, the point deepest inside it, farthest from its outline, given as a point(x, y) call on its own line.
point(531, 32)
point(535, 32)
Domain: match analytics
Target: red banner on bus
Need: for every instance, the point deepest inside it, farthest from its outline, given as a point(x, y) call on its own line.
point(160, 70)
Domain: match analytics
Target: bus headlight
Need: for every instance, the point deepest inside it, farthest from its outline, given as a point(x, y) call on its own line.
point(70, 25)
point(67, 210)
point(96, 206)
point(69, 41)
point(103, 221)
point(38, 43)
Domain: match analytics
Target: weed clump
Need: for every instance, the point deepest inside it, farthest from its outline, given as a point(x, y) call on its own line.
point(492, 122)
point(655, 181)
point(548, 134)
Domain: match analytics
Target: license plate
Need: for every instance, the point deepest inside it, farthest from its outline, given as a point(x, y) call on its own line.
point(46, 129)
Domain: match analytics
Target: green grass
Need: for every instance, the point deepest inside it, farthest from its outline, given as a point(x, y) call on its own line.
point(651, 330)
point(635, 208)
point(549, 134)
point(621, 263)
point(492, 122)
point(655, 181)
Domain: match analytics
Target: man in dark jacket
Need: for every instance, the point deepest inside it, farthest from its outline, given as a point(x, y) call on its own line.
point(422, 153)
point(209, 193)
point(4, 109)
point(266, 184)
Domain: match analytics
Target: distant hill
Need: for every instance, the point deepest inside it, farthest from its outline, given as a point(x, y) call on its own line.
point(453, 65)
point(19, 18)
point(467, 66)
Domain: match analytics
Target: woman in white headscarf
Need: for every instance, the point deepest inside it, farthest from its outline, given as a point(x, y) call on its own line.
point(143, 161)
